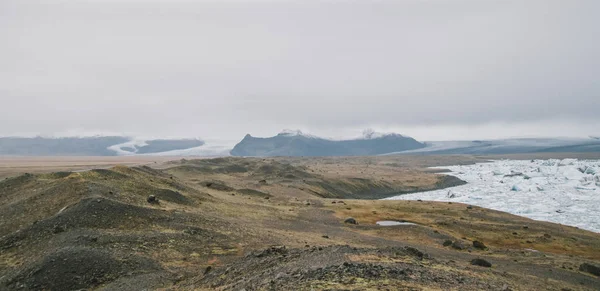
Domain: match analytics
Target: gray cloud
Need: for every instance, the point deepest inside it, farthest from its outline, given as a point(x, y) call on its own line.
point(432, 69)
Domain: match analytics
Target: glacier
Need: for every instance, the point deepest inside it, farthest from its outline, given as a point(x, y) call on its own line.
point(560, 191)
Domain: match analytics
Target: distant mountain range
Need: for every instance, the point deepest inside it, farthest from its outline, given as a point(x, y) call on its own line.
point(91, 146)
point(287, 143)
point(295, 143)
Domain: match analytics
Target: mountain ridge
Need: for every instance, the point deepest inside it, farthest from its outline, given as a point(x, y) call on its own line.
point(91, 146)
point(297, 143)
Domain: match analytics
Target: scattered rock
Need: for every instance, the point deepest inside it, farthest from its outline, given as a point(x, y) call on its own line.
point(263, 182)
point(458, 245)
point(481, 263)
point(450, 195)
point(193, 231)
point(414, 252)
point(217, 185)
point(58, 229)
point(152, 199)
point(589, 268)
point(325, 236)
point(447, 243)
point(479, 245)
point(350, 220)
point(273, 250)
point(207, 270)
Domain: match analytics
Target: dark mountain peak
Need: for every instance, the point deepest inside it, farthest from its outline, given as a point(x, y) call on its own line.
point(297, 143)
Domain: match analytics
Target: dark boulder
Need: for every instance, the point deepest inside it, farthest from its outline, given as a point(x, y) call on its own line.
point(219, 186)
point(414, 252)
point(458, 245)
point(479, 245)
point(589, 268)
point(350, 220)
point(481, 263)
point(152, 199)
point(207, 270)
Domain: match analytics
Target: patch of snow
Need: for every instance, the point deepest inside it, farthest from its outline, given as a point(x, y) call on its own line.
point(393, 223)
point(295, 132)
point(371, 134)
point(552, 190)
point(290, 132)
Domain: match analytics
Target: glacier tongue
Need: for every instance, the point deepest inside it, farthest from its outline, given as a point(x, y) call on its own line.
point(550, 190)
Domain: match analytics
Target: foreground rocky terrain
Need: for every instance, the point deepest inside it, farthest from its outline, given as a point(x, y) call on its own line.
point(275, 224)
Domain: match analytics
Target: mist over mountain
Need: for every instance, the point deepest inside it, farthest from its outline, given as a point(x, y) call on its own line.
point(290, 143)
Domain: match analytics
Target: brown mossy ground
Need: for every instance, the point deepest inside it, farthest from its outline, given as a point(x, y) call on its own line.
point(205, 238)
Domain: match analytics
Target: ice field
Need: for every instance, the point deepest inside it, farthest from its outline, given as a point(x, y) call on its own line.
point(562, 191)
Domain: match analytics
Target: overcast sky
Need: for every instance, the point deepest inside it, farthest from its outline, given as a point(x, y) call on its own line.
point(431, 69)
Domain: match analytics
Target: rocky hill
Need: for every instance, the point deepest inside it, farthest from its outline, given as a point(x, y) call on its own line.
point(272, 224)
point(299, 144)
point(265, 224)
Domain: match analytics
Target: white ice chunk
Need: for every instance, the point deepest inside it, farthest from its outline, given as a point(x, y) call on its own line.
point(567, 162)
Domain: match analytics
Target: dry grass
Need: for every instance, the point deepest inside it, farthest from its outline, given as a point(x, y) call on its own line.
point(231, 224)
point(494, 228)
